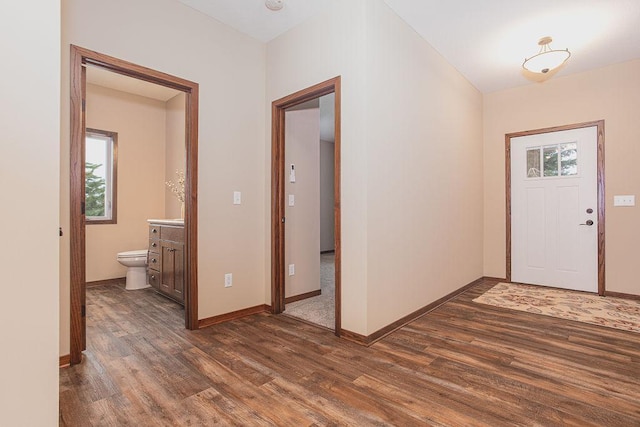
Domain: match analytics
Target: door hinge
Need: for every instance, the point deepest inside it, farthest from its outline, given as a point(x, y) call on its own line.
point(60, 231)
point(84, 105)
point(83, 310)
point(283, 220)
point(82, 208)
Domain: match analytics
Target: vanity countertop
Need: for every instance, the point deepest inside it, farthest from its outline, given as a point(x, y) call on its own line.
point(166, 221)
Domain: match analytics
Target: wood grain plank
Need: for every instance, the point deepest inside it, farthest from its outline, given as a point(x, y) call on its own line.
point(463, 363)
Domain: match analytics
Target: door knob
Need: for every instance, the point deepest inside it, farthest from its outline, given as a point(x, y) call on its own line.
point(589, 223)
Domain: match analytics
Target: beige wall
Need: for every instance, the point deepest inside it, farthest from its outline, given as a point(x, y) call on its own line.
point(411, 158)
point(424, 173)
point(336, 40)
point(140, 125)
point(612, 94)
point(29, 166)
point(302, 229)
point(175, 151)
point(230, 68)
point(327, 221)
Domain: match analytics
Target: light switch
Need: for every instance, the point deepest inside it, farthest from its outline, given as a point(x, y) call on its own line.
point(292, 200)
point(628, 200)
point(292, 173)
point(237, 198)
point(292, 269)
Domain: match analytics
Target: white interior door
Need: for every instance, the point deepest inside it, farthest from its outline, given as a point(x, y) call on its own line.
point(554, 212)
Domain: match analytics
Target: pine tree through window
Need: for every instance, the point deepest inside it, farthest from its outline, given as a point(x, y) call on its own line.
point(100, 176)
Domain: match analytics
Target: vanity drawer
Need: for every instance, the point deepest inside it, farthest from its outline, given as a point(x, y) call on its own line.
point(154, 232)
point(154, 245)
point(175, 234)
point(153, 277)
point(153, 261)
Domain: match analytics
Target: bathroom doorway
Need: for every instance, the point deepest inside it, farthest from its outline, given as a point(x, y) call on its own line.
point(81, 59)
point(283, 177)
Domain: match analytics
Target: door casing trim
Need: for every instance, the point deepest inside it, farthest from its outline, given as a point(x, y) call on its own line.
point(278, 108)
point(80, 58)
point(599, 124)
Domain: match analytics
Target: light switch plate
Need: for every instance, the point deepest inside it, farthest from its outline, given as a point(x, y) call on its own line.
point(292, 269)
point(627, 200)
point(292, 173)
point(228, 280)
point(292, 200)
point(237, 198)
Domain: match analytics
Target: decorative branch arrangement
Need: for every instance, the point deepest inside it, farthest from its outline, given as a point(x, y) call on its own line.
point(177, 188)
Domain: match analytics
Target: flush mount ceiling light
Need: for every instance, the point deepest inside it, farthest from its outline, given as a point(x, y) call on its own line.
point(274, 5)
point(547, 59)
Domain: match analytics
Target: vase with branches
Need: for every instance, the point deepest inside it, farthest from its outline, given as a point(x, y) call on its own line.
point(177, 188)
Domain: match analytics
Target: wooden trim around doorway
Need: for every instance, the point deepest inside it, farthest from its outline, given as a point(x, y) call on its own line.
point(64, 361)
point(301, 297)
point(80, 58)
point(278, 194)
point(107, 282)
point(234, 315)
point(367, 340)
point(601, 192)
point(622, 295)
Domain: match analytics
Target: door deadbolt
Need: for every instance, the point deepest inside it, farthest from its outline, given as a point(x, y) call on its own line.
point(589, 211)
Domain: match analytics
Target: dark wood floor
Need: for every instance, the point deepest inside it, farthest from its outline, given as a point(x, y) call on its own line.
point(464, 364)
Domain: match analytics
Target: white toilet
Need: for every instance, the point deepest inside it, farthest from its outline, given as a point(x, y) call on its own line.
point(136, 263)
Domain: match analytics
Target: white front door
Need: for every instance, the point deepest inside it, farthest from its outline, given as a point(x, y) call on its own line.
point(554, 212)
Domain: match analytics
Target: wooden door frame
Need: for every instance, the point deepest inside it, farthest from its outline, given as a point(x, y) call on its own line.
point(600, 184)
point(80, 58)
point(278, 192)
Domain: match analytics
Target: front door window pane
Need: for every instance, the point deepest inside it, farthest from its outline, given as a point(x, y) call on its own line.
point(569, 159)
point(551, 161)
point(533, 163)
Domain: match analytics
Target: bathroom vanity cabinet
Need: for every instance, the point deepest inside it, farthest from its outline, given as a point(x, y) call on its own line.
point(166, 259)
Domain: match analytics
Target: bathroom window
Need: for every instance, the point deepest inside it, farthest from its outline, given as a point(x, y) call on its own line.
point(100, 166)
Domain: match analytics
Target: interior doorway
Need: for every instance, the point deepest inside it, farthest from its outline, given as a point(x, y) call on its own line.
point(310, 237)
point(300, 110)
point(80, 59)
point(555, 207)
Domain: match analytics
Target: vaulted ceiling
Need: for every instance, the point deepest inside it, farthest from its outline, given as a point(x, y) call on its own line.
point(486, 40)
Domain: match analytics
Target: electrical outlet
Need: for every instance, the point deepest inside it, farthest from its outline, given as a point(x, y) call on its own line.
point(228, 280)
point(292, 200)
point(628, 200)
point(292, 269)
point(237, 198)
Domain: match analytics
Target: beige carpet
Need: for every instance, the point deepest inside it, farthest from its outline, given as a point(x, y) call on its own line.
point(321, 309)
point(604, 311)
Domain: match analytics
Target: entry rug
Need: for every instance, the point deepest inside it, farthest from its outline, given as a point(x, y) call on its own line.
point(604, 311)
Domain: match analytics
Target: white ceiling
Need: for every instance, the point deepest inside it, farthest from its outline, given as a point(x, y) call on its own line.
point(253, 18)
point(486, 40)
point(105, 78)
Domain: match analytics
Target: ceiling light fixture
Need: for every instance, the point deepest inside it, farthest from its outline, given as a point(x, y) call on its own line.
point(547, 59)
point(274, 5)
